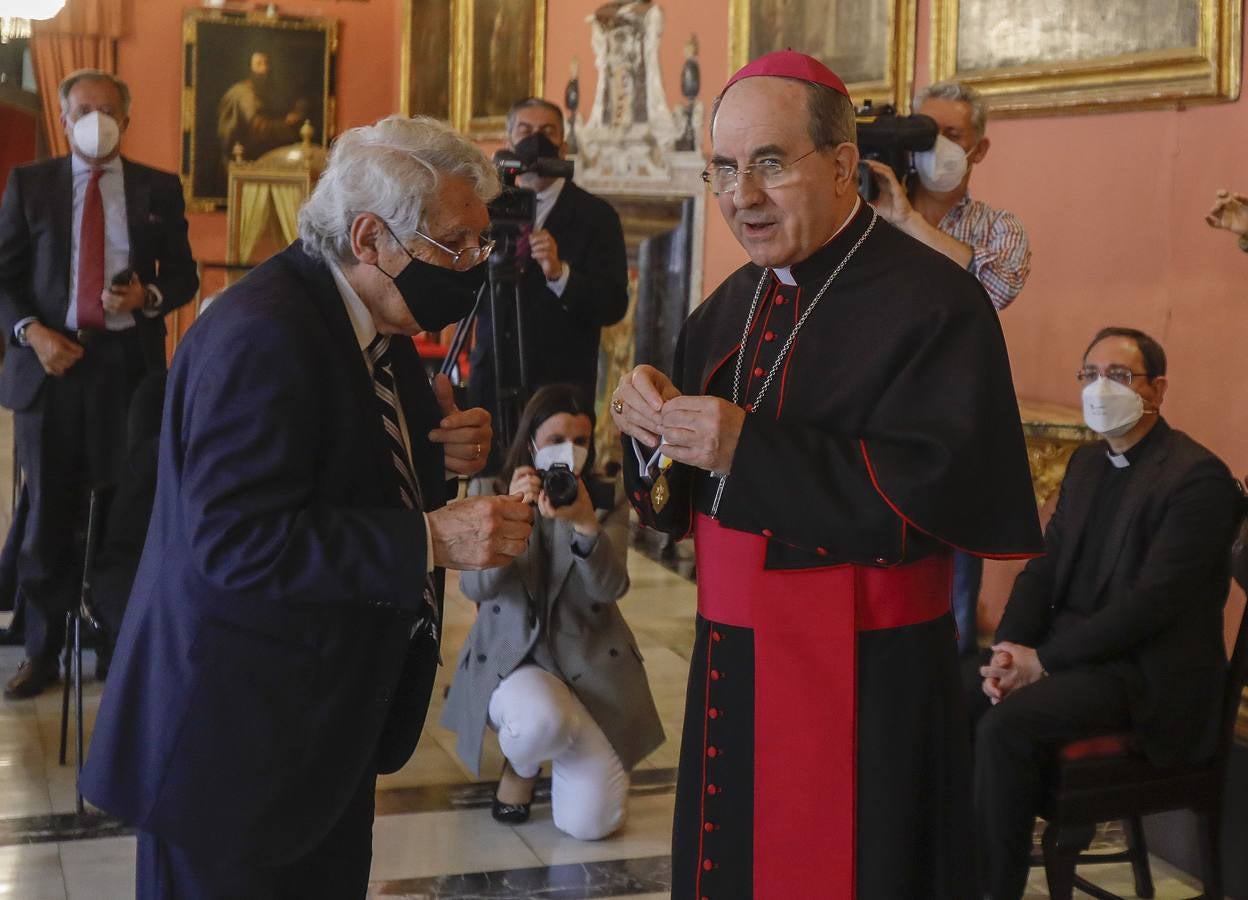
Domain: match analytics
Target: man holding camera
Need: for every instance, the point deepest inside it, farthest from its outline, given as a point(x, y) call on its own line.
point(840, 416)
point(93, 254)
point(574, 271)
point(989, 243)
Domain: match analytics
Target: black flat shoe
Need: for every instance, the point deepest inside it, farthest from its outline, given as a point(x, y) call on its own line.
point(512, 813)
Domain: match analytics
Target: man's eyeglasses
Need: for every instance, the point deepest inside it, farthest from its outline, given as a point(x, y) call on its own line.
point(462, 260)
point(1120, 374)
point(766, 173)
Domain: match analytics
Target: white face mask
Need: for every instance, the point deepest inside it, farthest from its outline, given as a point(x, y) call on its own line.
point(1110, 408)
point(566, 452)
point(96, 135)
point(942, 168)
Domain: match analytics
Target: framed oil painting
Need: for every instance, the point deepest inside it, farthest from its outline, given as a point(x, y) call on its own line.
point(428, 58)
point(500, 58)
point(1089, 55)
point(869, 43)
point(250, 81)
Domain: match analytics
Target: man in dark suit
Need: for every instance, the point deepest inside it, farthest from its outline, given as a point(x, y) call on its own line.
point(279, 646)
point(1119, 626)
point(93, 254)
point(575, 272)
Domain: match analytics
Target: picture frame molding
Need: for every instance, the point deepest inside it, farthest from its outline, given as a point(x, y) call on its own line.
point(1209, 72)
point(487, 128)
point(192, 17)
point(896, 90)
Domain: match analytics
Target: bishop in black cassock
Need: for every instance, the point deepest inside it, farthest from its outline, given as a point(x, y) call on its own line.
point(839, 419)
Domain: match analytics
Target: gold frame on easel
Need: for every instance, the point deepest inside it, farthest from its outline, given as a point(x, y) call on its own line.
point(1207, 71)
point(896, 86)
point(460, 58)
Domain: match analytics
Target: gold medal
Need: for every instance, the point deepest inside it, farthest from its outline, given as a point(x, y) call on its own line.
point(659, 493)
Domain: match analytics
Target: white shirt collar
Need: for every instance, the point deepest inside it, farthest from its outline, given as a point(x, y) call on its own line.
point(80, 165)
point(361, 319)
point(1119, 460)
point(785, 273)
point(551, 192)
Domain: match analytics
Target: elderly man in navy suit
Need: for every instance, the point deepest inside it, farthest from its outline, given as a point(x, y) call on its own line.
point(283, 630)
point(93, 254)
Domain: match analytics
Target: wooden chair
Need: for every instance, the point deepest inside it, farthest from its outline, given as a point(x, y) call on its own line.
point(1104, 779)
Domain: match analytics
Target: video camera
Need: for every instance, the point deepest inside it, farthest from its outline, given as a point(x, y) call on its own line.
point(885, 136)
point(516, 207)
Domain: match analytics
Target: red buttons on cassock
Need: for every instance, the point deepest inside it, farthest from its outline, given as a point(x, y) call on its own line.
point(714, 674)
point(759, 371)
point(716, 636)
point(749, 407)
point(780, 301)
point(707, 865)
point(767, 532)
point(769, 336)
point(712, 790)
point(712, 752)
point(822, 551)
point(708, 827)
point(637, 496)
point(713, 713)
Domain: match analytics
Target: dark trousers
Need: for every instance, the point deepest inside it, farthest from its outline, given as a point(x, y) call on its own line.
point(336, 869)
point(1016, 742)
point(72, 437)
point(968, 575)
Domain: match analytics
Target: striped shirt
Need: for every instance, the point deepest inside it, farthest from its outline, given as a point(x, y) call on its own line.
point(1001, 256)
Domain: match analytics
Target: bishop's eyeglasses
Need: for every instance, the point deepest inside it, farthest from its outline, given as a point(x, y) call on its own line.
point(1120, 374)
point(767, 173)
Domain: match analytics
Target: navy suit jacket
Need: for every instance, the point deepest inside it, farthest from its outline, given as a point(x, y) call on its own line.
point(36, 230)
point(264, 666)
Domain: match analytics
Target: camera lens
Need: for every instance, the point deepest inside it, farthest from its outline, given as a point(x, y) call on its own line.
point(560, 485)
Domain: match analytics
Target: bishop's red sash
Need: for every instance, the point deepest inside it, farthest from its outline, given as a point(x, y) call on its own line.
point(805, 692)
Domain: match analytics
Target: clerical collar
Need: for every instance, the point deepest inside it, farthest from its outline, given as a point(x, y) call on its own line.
point(1136, 452)
point(784, 274)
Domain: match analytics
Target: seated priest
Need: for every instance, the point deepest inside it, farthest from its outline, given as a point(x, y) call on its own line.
point(1119, 626)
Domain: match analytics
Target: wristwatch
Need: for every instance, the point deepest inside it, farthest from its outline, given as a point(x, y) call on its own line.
point(151, 299)
point(21, 333)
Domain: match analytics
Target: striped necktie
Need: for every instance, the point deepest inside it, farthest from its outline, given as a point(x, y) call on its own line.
point(409, 485)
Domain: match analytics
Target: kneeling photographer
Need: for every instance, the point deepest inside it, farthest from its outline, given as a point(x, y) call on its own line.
point(550, 663)
point(570, 267)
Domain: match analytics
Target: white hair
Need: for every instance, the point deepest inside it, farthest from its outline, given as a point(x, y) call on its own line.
point(390, 169)
point(959, 93)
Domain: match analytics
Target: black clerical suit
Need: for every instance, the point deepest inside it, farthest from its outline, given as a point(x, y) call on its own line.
point(71, 430)
point(1125, 612)
point(561, 331)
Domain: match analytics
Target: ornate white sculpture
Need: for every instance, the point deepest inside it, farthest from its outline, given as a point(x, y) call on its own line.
point(631, 132)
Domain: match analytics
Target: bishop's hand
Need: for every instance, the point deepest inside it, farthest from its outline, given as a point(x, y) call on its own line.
point(637, 404)
point(702, 431)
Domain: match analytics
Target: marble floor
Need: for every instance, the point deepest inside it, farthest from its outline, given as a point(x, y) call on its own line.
point(434, 837)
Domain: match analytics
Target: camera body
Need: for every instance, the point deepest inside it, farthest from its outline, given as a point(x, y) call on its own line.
point(514, 211)
point(560, 484)
point(891, 139)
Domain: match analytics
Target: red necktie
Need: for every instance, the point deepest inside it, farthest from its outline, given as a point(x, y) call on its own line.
point(91, 256)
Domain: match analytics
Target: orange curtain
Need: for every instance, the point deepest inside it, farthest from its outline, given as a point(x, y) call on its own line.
point(83, 36)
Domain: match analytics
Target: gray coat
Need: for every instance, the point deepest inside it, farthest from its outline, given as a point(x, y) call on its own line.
point(577, 633)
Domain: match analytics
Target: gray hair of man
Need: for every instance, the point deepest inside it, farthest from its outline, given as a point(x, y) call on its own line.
point(67, 85)
point(959, 93)
point(830, 116)
point(391, 169)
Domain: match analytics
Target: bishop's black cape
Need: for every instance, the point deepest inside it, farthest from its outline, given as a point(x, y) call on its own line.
point(890, 434)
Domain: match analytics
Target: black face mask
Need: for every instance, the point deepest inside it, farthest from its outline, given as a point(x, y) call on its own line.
point(534, 147)
point(436, 297)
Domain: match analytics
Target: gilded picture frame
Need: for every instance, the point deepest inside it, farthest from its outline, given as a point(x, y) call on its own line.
point(249, 82)
point(499, 58)
point(1080, 56)
point(869, 43)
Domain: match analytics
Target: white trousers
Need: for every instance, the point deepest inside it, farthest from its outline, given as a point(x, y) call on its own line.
point(538, 718)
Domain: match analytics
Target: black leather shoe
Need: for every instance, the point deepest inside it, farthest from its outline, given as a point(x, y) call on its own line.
point(31, 679)
point(512, 813)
